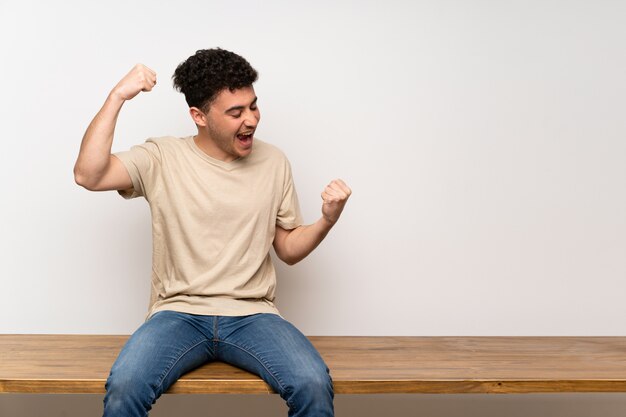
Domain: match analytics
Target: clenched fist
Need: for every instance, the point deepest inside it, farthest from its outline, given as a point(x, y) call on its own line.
point(335, 196)
point(140, 78)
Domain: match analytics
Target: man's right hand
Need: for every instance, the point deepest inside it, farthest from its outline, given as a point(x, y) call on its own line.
point(140, 78)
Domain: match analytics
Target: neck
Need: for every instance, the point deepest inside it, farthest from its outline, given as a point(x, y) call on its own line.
point(208, 146)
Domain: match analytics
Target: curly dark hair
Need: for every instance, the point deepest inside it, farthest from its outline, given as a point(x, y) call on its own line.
point(203, 75)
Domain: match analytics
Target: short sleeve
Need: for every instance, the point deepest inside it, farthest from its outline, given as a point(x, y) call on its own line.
point(142, 163)
point(289, 215)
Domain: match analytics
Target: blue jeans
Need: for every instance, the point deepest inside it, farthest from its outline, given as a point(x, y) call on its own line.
point(170, 344)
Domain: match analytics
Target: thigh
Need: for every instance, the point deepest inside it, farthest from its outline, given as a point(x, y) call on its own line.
point(271, 347)
point(165, 347)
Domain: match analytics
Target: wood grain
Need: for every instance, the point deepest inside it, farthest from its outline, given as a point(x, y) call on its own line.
point(358, 364)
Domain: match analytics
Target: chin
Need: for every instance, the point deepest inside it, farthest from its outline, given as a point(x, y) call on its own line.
point(245, 153)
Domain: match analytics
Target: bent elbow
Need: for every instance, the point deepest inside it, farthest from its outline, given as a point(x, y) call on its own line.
point(79, 180)
point(83, 181)
point(290, 260)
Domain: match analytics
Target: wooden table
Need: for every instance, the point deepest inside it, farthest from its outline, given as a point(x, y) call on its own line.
point(358, 364)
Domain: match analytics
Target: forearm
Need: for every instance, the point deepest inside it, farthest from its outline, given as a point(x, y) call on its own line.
point(300, 242)
point(292, 246)
point(95, 149)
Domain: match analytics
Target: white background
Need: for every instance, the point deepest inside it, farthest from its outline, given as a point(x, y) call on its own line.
point(484, 142)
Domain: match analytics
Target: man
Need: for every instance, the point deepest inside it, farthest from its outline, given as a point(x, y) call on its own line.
point(218, 200)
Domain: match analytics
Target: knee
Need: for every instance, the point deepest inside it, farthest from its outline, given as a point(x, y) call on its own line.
point(314, 383)
point(311, 394)
point(126, 391)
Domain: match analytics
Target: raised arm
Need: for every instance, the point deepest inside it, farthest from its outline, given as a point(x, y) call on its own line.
point(292, 246)
point(96, 169)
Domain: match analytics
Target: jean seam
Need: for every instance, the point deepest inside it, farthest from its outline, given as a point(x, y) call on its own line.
point(267, 368)
point(215, 336)
point(169, 368)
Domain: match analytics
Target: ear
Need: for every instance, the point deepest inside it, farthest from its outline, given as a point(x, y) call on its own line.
point(198, 117)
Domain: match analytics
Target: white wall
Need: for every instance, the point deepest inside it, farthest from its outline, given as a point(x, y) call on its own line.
point(483, 140)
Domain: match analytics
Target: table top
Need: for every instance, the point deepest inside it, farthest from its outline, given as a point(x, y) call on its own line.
point(358, 364)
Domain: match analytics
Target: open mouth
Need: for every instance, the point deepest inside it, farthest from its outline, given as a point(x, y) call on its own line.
point(245, 139)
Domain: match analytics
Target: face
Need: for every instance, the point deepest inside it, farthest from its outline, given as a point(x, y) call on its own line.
point(227, 129)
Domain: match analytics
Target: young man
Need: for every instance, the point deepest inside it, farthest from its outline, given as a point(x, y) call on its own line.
point(218, 200)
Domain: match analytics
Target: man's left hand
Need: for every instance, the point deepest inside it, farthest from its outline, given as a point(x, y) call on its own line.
point(335, 196)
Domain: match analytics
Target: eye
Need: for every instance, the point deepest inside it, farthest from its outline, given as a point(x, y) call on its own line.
point(236, 115)
point(253, 107)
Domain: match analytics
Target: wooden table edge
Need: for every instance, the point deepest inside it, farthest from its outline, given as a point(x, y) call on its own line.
point(469, 386)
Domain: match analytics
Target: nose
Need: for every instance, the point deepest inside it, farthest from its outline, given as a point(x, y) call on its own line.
point(251, 118)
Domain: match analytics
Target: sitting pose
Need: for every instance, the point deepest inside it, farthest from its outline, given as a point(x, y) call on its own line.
point(218, 199)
